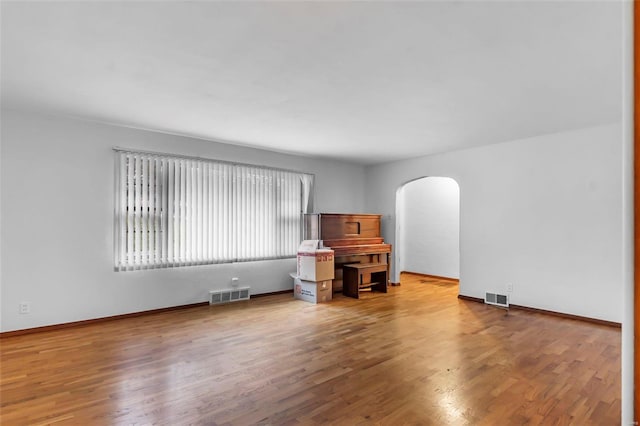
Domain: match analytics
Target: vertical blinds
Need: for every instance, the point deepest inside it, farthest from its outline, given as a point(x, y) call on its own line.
point(176, 211)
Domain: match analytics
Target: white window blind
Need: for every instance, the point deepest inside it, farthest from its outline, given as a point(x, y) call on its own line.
point(178, 211)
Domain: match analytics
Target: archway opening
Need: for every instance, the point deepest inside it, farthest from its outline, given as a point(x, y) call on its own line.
point(428, 228)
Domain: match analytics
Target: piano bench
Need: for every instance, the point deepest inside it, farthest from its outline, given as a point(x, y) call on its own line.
point(353, 282)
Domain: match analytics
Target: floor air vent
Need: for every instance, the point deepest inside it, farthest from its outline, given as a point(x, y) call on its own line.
point(497, 299)
point(232, 295)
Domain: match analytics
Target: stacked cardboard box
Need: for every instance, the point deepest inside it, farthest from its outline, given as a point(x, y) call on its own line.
point(315, 272)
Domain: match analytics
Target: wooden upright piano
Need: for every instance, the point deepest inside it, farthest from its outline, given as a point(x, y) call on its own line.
point(355, 238)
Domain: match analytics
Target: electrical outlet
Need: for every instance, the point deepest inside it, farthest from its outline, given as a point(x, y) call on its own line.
point(235, 281)
point(509, 287)
point(24, 307)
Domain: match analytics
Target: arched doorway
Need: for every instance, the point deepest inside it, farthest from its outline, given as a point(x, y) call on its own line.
point(428, 227)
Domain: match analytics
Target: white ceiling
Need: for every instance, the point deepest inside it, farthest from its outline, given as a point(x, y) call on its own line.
point(361, 81)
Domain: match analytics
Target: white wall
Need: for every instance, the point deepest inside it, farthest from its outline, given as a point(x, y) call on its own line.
point(542, 213)
point(57, 221)
point(428, 212)
point(627, 243)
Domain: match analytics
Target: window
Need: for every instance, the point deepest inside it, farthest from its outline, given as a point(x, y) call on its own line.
point(178, 211)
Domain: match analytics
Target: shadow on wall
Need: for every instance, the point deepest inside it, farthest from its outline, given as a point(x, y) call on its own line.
point(428, 227)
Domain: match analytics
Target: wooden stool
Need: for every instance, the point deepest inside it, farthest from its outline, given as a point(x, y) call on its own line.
point(352, 279)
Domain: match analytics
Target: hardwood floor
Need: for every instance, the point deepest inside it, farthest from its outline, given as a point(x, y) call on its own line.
point(415, 355)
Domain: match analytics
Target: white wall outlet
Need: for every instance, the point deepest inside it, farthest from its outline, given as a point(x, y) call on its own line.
point(235, 281)
point(24, 307)
point(510, 287)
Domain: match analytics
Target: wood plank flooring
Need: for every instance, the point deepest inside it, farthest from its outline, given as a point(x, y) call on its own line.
point(416, 355)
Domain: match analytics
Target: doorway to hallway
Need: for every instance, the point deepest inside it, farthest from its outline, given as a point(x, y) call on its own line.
point(428, 227)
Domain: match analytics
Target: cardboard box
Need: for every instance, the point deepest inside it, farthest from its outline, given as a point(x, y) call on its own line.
point(314, 263)
point(312, 291)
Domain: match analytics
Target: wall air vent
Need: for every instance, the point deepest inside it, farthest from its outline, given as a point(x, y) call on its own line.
point(230, 295)
point(496, 299)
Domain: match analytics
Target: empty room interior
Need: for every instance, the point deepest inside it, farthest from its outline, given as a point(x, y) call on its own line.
point(316, 213)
